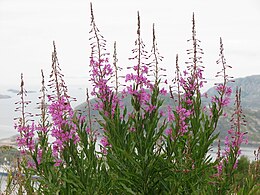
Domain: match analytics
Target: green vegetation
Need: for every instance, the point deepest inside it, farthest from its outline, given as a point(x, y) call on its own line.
point(10, 154)
point(153, 146)
point(252, 115)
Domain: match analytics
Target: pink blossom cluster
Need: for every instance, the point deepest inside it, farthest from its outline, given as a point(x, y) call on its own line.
point(142, 85)
point(101, 74)
point(63, 128)
point(142, 95)
point(104, 142)
point(31, 164)
point(232, 142)
point(25, 141)
point(141, 78)
point(170, 115)
point(225, 93)
point(168, 132)
point(193, 81)
point(183, 114)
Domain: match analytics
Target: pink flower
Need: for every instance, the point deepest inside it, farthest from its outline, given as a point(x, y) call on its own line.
point(26, 140)
point(63, 128)
point(189, 102)
point(58, 162)
point(225, 102)
point(168, 132)
point(132, 129)
point(163, 92)
point(150, 108)
point(230, 131)
point(187, 113)
point(104, 141)
point(88, 130)
point(226, 141)
point(228, 91)
point(170, 115)
point(219, 168)
point(235, 165)
point(162, 113)
point(129, 77)
point(205, 95)
point(31, 164)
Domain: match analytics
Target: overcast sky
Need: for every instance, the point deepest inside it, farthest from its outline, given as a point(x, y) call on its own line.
point(28, 27)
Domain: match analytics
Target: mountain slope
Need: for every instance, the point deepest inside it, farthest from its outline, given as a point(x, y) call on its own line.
point(250, 91)
point(250, 87)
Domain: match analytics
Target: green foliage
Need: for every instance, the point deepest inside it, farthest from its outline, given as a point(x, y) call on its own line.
point(140, 151)
point(8, 153)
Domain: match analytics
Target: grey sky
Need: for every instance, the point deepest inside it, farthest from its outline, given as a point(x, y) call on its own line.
point(28, 27)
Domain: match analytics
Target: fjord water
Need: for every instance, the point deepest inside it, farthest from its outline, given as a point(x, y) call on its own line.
point(7, 106)
point(7, 113)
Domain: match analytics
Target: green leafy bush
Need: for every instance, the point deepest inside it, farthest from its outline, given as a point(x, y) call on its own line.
point(145, 150)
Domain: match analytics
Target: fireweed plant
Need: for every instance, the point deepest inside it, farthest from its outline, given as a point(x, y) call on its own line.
point(147, 148)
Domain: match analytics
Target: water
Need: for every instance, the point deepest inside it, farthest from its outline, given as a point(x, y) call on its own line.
point(2, 182)
point(7, 114)
point(3, 178)
point(245, 151)
point(7, 106)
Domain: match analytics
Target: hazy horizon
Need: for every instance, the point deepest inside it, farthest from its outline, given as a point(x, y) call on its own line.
point(27, 29)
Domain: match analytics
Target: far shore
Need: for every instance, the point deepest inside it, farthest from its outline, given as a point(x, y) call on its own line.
point(10, 141)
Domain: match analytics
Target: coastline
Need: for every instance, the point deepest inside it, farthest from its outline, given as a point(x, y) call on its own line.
point(9, 141)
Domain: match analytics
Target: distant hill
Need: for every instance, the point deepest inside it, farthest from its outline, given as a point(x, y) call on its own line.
point(250, 89)
point(17, 91)
point(11, 141)
point(4, 96)
point(252, 125)
point(8, 155)
point(250, 96)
